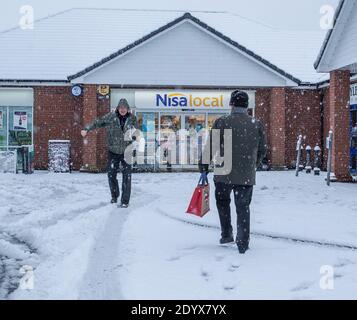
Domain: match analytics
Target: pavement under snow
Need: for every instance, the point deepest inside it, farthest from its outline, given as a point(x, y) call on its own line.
point(80, 247)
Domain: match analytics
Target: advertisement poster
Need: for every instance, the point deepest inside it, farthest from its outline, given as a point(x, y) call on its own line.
point(1, 120)
point(20, 120)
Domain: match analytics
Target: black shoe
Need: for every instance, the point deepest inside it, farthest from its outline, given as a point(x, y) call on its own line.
point(242, 248)
point(225, 240)
point(124, 205)
point(114, 200)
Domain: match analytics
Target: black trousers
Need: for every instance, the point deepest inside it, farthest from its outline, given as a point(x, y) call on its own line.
point(242, 198)
point(114, 162)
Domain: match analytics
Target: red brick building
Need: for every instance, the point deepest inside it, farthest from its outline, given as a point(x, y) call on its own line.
point(70, 59)
point(338, 57)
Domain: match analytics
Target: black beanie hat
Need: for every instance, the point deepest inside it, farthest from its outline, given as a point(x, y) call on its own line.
point(239, 99)
point(123, 102)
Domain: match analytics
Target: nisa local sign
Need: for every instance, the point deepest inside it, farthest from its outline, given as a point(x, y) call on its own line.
point(187, 99)
point(183, 100)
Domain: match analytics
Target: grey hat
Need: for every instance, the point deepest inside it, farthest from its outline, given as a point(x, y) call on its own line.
point(123, 102)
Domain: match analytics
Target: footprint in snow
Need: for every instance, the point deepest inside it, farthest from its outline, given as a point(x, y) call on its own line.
point(338, 276)
point(205, 275)
point(171, 259)
point(233, 268)
point(229, 288)
point(303, 286)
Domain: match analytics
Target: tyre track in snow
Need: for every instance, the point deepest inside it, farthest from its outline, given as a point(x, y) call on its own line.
point(267, 235)
point(101, 281)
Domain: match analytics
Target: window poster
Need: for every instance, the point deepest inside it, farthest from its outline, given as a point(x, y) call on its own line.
point(20, 120)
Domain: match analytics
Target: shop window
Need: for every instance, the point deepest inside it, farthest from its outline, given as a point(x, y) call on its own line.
point(195, 122)
point(211, 119)
point(3, 127)
point(16, 127)
point(148, 124)
point(147, 121)
point(20, 126)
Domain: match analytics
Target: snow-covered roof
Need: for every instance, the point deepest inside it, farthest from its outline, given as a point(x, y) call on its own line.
point(328, 35)
point(66, 44)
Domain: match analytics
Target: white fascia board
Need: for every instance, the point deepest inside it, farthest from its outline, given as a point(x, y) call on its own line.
point(34, 84)
point(10, 96)
point(312, 87)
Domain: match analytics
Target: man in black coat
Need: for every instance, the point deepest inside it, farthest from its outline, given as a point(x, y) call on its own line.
point(242, 140)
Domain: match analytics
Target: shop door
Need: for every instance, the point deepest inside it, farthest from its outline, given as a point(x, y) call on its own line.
point(194, 125)
point(353, 141)
point(170, 125)
point(148, 123)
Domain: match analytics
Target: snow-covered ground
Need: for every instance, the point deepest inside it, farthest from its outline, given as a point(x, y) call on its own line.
point(81, 247)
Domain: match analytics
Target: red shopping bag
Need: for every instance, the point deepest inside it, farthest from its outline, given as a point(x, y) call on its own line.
point(199, 204)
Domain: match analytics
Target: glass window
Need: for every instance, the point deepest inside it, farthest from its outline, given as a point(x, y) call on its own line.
point(3, 127)
point(20, 126)
point(170, 122)
point(195, 122)
point(148, 122)
point(211, 119)
point(194, 125)
point(169, 125)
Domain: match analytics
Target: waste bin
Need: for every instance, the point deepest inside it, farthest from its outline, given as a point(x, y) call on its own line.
point(59, 156)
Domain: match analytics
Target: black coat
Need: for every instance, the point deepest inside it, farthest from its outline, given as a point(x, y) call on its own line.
point(248, 149)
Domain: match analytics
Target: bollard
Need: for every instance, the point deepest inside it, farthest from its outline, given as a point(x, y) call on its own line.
point(329, 161)
point(308, 166)
point(317, 160)
point(298, 159)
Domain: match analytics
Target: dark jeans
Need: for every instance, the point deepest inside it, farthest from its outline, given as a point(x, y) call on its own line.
point(114, 161)
point(242, 198)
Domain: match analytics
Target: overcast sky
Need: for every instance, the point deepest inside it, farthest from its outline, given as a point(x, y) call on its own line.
point(292, 14)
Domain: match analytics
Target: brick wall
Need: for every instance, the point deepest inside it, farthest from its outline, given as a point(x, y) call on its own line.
point(277, 133)
point(262, 113)
point(57, 115)
point(303, 116)
point(285, 113)
point(102, 150)
point(339, 115)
